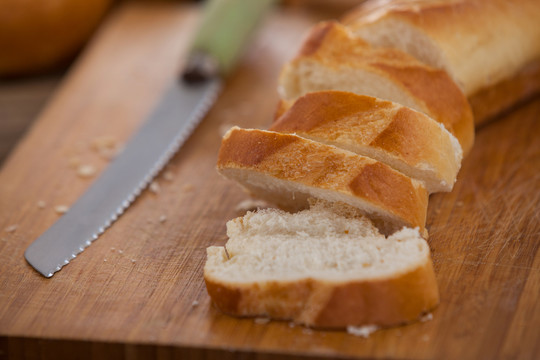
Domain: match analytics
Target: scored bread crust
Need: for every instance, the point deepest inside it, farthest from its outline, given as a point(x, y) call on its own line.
point(479, 42)
point(385, 301)
point(287, 170)
point(331, 49)
point(402, 138)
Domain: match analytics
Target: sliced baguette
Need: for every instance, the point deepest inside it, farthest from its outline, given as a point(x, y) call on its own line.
point(333, 59)
point(402, 138)
point(286, 170)
point(320, 269)
point(478, 42)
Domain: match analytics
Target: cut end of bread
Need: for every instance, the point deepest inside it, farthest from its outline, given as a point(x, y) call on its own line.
point(321, 268)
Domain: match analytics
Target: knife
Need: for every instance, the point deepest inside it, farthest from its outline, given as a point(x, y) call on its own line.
point(225, 27)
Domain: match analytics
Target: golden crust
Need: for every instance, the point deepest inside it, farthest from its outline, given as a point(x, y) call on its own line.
point(492, 101)
point(386, 302)
point(279, 300)
point(434, 92)
point(395, 300)
point(241, 147)
point(480, 42)
point(314, 165)
point(356, 122)
point(45, 35)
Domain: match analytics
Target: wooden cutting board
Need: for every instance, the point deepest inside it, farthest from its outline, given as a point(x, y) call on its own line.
point(138, 291)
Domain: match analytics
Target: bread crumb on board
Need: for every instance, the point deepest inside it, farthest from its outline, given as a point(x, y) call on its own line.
point(154, 187)
point(61, 209)
point(363, 331)
point(104, 141)
point(261, 320)
point(426, 317)
point(162, 218)
point(106, 147)
point(41, 204)
point(11, 228)
point(86, 170)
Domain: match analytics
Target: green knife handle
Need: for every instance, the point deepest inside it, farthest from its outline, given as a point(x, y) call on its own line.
point(224, 29)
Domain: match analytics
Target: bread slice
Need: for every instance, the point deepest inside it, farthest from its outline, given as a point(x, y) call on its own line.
point(320, 269)
point(478, 42)
point(333, 59)
point(286, 170)
point(402, 138)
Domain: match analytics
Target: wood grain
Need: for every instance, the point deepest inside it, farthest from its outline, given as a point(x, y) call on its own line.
point(138, 291)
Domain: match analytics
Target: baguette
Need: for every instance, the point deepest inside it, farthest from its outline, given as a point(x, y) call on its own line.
point(320, 269)
point(495, 100)
point(402, 138)
point(286, 170)
point(478, 42)
point(333, 59)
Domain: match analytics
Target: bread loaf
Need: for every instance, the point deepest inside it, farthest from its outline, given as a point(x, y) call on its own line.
point(332, 140)
point(286, 170)
point(402, 138)
point(478, 42)
point(320, 269)
point(333, 59)
point(494, 100)
point(38, 36)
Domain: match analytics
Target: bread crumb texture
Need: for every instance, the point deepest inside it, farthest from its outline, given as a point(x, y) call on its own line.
point(321, 267)
point(273, 244)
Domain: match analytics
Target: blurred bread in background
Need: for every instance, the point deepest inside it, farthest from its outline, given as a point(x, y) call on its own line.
point(36, 36)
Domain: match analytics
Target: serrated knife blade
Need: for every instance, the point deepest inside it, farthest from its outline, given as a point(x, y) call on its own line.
point(184, 104)
point(143, 157)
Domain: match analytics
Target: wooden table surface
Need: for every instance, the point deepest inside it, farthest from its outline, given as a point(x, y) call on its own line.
point(138, 291)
